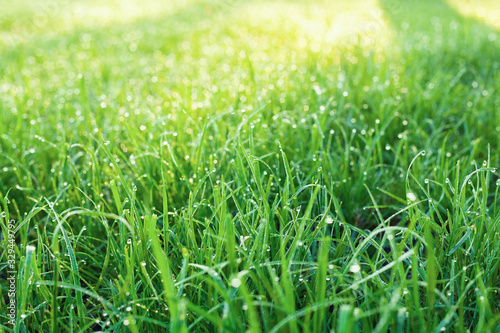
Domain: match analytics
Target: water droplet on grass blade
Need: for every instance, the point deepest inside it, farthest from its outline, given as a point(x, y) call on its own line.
point(411, 196)
point(355, 268)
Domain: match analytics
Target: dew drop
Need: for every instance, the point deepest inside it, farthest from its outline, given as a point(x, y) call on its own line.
point(355, 268)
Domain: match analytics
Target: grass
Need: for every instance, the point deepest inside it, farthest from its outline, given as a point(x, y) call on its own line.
point(250, 166)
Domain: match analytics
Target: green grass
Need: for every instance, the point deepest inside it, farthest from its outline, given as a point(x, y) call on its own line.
point(254, 166)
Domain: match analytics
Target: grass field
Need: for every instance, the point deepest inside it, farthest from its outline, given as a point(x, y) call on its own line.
point(232, 166)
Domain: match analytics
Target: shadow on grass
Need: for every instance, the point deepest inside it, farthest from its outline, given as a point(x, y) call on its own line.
point(452, 57)
point(452, 43)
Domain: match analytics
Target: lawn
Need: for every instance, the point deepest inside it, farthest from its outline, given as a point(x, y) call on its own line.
point(261, 166)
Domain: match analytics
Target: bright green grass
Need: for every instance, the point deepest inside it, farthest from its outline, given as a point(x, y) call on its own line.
point(264, 166)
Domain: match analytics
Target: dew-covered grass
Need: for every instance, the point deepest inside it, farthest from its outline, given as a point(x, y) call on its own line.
point(232, 166)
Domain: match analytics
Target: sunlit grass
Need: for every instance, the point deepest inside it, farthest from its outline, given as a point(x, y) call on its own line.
point(319, 22)
point(27, 20)
point(283, 166)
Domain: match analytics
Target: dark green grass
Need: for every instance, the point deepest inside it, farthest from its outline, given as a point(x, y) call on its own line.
point(215, 167)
